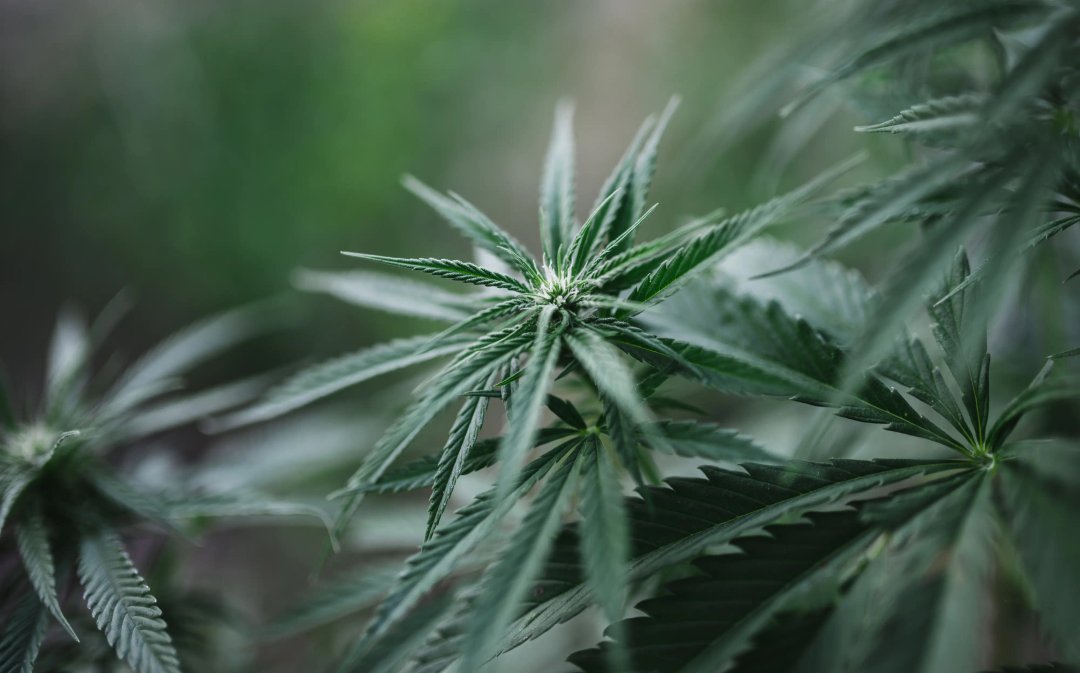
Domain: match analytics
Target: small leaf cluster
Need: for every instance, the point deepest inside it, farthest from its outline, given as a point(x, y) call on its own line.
point(65, 506)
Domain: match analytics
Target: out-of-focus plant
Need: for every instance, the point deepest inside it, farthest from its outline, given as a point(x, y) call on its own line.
point(65, 506)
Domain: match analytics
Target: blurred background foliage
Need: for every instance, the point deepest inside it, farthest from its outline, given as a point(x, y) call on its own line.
point(198, 152)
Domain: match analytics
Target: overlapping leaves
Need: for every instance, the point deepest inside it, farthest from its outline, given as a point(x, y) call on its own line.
point(63, 505)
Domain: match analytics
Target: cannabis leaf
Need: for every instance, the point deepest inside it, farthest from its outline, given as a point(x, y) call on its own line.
point(59, 496)
point(123, 606)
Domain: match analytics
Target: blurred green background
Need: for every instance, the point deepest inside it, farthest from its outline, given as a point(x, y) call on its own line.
point(196, 153)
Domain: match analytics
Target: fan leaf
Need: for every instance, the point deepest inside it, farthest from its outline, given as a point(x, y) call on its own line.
point(123, 607)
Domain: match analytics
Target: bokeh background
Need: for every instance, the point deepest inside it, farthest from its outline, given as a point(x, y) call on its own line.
point(196, 153)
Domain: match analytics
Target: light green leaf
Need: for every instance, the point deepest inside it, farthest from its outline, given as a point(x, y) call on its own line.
point(341, 372)
point(939, 114)
point(695, 439)
point(476, 226)
point(123, 607)
point(557, 189)
point(730, 233)
point(645, 164)
point(383, 292)
point(152, 373)
point(463, 272)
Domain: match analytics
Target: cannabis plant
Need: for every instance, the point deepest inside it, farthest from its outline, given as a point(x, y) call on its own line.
point(870, 552)
point(66, 507)
point(589, 317)
point(986, 94)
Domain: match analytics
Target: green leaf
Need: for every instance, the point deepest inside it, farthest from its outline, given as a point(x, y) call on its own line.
point(624, 438)
point(22, 636)
point(32, 538)
point(643, 346)
point(919, 604)
point(387, 654)
point(587, 239)
point(175, 412)
point(911, 366)
point(505, 586)
point(384, 292)
point(1032, 74)
point(557, 189)
point(452, 460)
point(728, 234)
point(449, 546)
point(123, 607)
point(566, 412)
point(702, 623)
point(605, 530)
point(1040, 514)
point(963, 339)
point(476, 226)
point(1044, 389)
point(614, 204)
point(236, 504)
point(830, 296)
point(727, 505)
point(420, 473)
point(944, 30)
point(625, 269)
point(150, 375)
point(694, 439)
point(341, 372)
point(68, 355)
point(615, 248)
point(905, 288)
point(882, 203)
point(645, 164)
point(611, 376)
point(933, 116)
point(469, 369)
point(748, 348)
point(15, 476)
point(527, 400)
point(463, 272)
